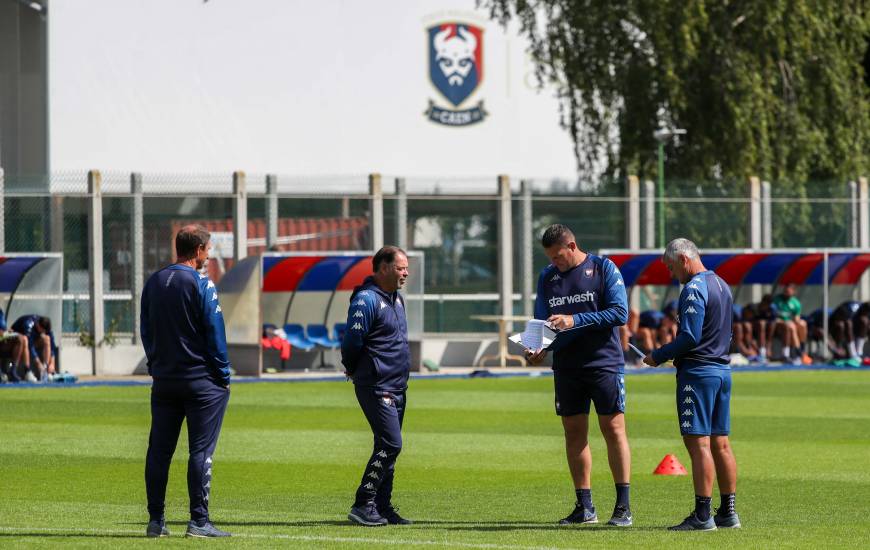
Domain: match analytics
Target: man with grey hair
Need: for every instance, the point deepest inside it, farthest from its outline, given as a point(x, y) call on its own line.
point(700, 354)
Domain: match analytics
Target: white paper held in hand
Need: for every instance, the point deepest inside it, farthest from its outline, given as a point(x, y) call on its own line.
point(537, 335)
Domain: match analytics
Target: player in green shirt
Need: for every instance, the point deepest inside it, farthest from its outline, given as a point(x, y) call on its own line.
point(789, 324)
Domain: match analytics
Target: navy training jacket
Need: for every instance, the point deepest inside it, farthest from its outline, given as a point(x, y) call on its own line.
point(182, 326)
point(375, 348)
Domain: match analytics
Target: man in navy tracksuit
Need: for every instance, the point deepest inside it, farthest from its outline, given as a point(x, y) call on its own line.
point(584, 292)
point(375, 354)
point(700, 353)
point(185, 344)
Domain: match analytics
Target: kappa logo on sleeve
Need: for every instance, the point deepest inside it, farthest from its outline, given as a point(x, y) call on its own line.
point(210, 284)
point(358, 313)
point(356, 326)
point(383, 305)
point(690, 298)
point(360, 302)
point(690, 309)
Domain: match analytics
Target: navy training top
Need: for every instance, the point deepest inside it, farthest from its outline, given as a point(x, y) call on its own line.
point(26, 325)
point(593, 292)
point(704, 336)
point(375, 348)
point(182, 326)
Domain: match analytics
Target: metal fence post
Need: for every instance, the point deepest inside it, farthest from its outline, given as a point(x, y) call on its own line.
point(854, 202)
point(754, 212)
point(2, 211)
point(527, 242)
point(137, 252)
point(240, 217)
point(766, 219)
point(376, 219)
point(505, 250)
point(57, 225)
point(864, 229)
point(649, 210)
point(271, 211)
point(401, 214)
point(632, 212)
point(95, 271)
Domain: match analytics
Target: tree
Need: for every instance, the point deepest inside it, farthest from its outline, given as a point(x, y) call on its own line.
point(774, 88)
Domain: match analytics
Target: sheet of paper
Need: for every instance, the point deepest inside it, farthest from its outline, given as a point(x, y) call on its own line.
point(537, 335)
point(634, 348)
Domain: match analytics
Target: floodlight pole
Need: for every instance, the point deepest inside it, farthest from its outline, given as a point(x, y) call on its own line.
point(661, 136)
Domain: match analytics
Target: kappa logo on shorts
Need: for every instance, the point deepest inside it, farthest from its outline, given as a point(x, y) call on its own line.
point(688, 401)
point(687, 412)
point(686, 424)
point(356, 326)
point(688, 388)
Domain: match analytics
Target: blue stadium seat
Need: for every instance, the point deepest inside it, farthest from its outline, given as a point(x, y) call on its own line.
point(296, 337)
point(338, 331)
point(320, 336)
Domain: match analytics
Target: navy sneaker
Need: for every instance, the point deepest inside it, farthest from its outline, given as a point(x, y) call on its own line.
point(621, 516)
point(366, 514)
point(692, 523)
point(206, 530)
point(156, 529)
point(726, 521)
point(392, 516)
point(580, 515)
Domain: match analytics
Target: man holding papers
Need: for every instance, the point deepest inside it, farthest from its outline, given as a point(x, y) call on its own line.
point(584, 294)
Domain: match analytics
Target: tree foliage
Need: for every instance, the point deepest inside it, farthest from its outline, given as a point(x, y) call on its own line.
point(772, 88)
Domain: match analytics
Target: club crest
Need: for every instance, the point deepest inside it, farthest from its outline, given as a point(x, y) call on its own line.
point(456, 70)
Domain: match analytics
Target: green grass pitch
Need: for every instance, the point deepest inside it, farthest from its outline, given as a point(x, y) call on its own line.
point(483, 466)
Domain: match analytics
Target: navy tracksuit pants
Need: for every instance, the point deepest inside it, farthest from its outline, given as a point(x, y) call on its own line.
point(384, 412)
point(202, 403)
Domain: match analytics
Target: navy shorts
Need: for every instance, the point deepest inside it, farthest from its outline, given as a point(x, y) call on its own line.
point(577, 388)
point(704, 400)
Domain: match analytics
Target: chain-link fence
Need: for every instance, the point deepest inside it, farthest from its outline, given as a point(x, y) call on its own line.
point(455, 222)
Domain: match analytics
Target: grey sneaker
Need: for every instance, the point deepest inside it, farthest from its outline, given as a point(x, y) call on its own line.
point(156, 529)
point(727, 521)
point(367, 514)
point(621, 517)
point(206, 530)
point(692, 523)
point(580, 515)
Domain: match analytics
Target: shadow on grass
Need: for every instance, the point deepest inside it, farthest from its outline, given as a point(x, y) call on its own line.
point(44, 535)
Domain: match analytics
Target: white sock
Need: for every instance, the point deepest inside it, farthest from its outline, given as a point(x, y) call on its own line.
point(852, 349)
point(786, 352)
point(859, 346)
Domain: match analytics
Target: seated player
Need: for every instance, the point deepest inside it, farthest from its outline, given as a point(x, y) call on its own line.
point(815, 328)
point(764, 316)
point(670, 323)
point(861, 324)
point(741, 334)
point(13, 351)
point(841, 329)
point(41, 344)
point(789, 326)
point(649, 323)
point(628, 333)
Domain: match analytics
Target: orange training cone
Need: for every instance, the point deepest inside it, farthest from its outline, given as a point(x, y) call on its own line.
point(670, 466)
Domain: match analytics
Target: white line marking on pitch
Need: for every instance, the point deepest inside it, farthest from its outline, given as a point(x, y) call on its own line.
point(48, 531)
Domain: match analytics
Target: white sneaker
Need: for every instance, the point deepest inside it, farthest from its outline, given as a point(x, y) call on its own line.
point(30, 377)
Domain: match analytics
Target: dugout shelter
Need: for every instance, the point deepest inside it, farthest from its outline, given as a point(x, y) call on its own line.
point(307, 294)
point(32, 283)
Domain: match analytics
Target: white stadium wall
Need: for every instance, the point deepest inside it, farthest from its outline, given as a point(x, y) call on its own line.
point(291, 87)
